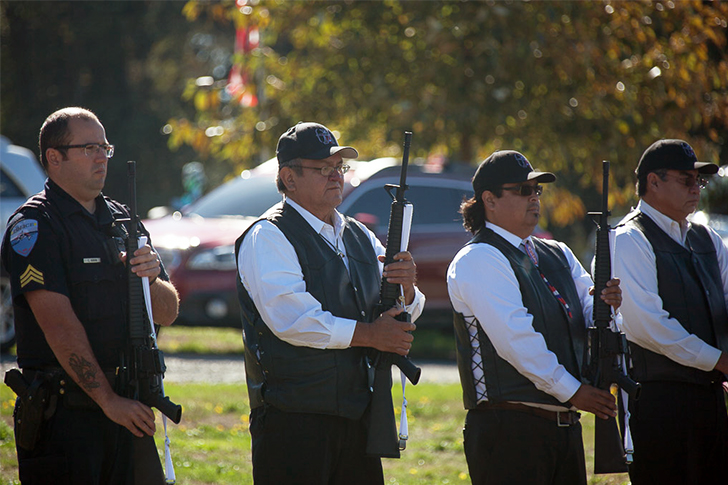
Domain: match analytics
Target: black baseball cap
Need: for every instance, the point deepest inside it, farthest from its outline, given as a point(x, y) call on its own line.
point(312, 141)
point(672, 155)
point(506, 167)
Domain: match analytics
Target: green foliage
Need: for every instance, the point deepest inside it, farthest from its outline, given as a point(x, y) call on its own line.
point(566, 83)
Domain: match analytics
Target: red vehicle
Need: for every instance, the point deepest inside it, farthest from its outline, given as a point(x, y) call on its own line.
point(197, 245)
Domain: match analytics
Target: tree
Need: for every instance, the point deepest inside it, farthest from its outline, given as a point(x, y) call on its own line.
point(566, 83)
point(122, 60)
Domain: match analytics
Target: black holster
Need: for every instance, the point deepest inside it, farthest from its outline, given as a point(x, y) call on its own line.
point(35, 405)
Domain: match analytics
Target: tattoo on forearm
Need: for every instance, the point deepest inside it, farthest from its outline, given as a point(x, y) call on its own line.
point(85, 371)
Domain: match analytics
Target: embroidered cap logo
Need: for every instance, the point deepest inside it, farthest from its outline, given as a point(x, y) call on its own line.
point(522, 161)
point(325, 136)
point(688, 150)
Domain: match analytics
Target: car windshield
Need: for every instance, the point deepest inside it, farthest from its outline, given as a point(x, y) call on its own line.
point(241, 197)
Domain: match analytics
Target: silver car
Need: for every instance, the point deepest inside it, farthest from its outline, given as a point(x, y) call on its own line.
point(20, 177)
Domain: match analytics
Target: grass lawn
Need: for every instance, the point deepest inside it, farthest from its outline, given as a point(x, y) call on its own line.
point(212, 445)
point(430, 343)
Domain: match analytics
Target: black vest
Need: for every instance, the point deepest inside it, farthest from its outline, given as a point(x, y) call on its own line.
point(690, 285)
point(564, 336)
point(304, 379)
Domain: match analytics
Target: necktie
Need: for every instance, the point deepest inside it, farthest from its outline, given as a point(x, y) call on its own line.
point(531, 252)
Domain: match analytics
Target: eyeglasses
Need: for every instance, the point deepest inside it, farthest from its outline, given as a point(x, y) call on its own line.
point(526, 190)
point(92, 149)
point(690, 182)
point(327, 170)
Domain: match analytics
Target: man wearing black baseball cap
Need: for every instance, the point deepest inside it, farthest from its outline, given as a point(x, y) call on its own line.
point(521, 310)
point(675, 278)
point(309, 280)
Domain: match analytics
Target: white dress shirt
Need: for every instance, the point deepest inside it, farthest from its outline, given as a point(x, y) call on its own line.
point(481, 283)
point(272, 275)
point(645, 322)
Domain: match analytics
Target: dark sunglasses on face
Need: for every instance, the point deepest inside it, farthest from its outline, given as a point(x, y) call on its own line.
point(526, 190)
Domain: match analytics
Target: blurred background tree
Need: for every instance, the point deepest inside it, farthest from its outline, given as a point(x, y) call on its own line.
point(567, 83)
point(125, 61)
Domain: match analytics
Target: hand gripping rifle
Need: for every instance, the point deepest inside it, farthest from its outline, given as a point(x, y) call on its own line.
point(382, 437)
point(145, 362)
point(143, 366)
point(607, 352)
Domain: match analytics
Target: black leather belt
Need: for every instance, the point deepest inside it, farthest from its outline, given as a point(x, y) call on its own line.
point(561, 418)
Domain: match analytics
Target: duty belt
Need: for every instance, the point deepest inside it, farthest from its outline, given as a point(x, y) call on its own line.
point(561, 418)
point(70, 393)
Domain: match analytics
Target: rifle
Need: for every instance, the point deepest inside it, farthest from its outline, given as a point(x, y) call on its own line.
point(382, 437)
point(144, 364)
point(605, 359)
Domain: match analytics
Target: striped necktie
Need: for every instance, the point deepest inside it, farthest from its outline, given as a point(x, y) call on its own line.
point(531, 252)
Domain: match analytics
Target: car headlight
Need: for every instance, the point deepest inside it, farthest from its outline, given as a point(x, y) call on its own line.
point(220, 258)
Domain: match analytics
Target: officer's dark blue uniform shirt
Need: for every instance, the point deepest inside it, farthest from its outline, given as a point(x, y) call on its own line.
point(53, 243)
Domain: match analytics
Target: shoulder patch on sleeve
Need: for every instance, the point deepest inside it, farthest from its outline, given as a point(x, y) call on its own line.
point(31, 275)
point(23, 236)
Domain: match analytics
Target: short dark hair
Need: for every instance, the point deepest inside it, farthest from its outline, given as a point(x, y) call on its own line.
point(54, 131)
point(642, 180)
point(295, 165)
point(473, 211)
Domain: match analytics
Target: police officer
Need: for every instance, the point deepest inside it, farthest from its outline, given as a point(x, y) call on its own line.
point(69, 285)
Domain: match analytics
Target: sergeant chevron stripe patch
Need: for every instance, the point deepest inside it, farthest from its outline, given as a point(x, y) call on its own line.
point(29, 275)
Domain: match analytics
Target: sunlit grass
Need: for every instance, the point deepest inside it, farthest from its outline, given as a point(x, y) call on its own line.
point(212, 444)
point(200, 340)
point(430, 343)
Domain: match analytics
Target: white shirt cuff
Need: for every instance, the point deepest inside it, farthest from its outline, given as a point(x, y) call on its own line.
point(707, 358)
point(565, 388)
point(415, 308)
point(341, 333)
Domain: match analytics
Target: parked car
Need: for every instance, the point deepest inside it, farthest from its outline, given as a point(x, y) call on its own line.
point(197, 244)
point(20, 177)
point(718, 222)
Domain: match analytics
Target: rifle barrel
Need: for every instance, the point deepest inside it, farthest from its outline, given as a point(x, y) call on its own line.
point(405, 161)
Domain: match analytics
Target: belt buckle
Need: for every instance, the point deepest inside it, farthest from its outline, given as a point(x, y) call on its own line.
point(561, 424)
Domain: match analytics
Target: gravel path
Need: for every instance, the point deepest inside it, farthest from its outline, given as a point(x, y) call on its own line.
point(226, 369)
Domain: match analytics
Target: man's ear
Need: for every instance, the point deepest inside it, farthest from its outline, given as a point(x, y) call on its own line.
point(53, 157)
point(488, 199)
point(288, 178)
point(652, 180)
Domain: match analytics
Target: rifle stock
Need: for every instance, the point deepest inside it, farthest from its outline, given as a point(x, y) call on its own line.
point(144, 365)
point(382, 437)
point(605, 349)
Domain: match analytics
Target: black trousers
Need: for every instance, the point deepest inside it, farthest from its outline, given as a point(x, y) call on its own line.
point(82, 446)
point(310, 449)
point(514, 448)
point(680, 434)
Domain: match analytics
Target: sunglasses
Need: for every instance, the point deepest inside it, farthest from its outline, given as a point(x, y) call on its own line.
point(526, 190)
